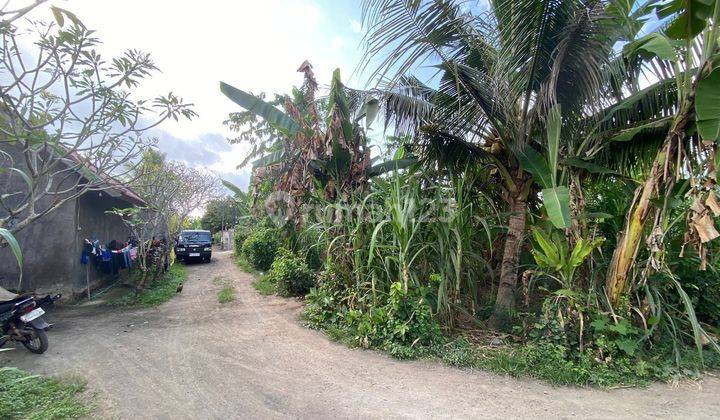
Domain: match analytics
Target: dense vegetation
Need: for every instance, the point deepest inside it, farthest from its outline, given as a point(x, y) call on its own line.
point(549, 202)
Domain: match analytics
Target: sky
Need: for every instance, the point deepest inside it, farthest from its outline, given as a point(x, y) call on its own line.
point(256, 46)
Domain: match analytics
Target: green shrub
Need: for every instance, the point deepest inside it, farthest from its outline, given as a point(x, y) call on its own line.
point(239, 238)
point(326, 306)
point(290, 274)
point(400, 323)
point(242, 230)
point(260, 248)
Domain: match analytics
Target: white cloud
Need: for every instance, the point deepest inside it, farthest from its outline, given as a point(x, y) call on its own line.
point(355, 26)
point(197, 45)
point(337, 42)
point(253, 45)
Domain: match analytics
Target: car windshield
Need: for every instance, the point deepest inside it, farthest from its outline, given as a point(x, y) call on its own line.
point(195, 237)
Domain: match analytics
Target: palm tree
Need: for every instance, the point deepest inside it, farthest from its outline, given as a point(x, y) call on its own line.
point(516, 85)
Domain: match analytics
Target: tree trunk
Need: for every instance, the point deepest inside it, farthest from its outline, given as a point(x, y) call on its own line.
point(143, 277)
point(505, 300)
point(629, 240)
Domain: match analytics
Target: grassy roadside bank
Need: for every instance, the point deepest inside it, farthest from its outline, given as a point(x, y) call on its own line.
point(262, 281)
point(157, 293)
point(27, 396)
point(544, 361)
point(405, 329)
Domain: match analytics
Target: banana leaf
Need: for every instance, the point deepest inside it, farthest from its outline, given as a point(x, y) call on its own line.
point(390, 165)
point(707, 106)
point(268, 160)
point(557, 205)
point(655, 44)
point(234, 188)
point(593, 168)
point(690, 17)
point(15, 248)
point(535, 163)
point(554, 125)
point(262, 109)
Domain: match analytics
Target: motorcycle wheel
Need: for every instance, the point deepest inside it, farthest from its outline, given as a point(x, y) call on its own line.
point(36, 341)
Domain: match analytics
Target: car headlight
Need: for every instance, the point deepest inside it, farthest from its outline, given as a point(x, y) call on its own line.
point(207, 248)
point(181, 249)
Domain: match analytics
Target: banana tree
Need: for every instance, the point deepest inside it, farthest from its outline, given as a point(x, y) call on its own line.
point(688, 43)
point(310, 152)
point(555, 257)
point(545, 171)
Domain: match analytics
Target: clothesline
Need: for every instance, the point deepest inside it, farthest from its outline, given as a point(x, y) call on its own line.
point(109, 259)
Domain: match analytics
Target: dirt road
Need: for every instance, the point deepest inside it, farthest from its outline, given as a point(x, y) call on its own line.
point(195, 358)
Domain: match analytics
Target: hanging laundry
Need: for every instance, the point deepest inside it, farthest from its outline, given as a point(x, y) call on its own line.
point(87, 249)
point(126, 256)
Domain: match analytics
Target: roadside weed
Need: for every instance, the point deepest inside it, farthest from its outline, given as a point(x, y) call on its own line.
point(226, 294)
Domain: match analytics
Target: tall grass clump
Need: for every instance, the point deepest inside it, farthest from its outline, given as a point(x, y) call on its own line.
point(290, 274)
point(400, 261)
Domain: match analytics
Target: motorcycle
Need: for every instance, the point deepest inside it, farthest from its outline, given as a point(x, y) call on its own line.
point(21, 320)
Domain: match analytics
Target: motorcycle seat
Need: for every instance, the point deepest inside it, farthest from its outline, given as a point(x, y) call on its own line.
point(9, 305)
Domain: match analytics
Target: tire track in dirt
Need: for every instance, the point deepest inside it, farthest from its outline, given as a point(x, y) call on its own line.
point(195, 358)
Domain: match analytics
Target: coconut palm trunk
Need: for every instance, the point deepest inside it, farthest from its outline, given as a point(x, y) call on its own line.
point(509, 267)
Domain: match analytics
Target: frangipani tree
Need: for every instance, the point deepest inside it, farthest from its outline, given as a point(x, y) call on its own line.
point(171, 190)
point(65, 111)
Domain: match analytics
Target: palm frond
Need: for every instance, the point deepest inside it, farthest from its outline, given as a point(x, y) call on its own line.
point(407, 104)
point(410, 33)
point(529, 31)
point(580, 64)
